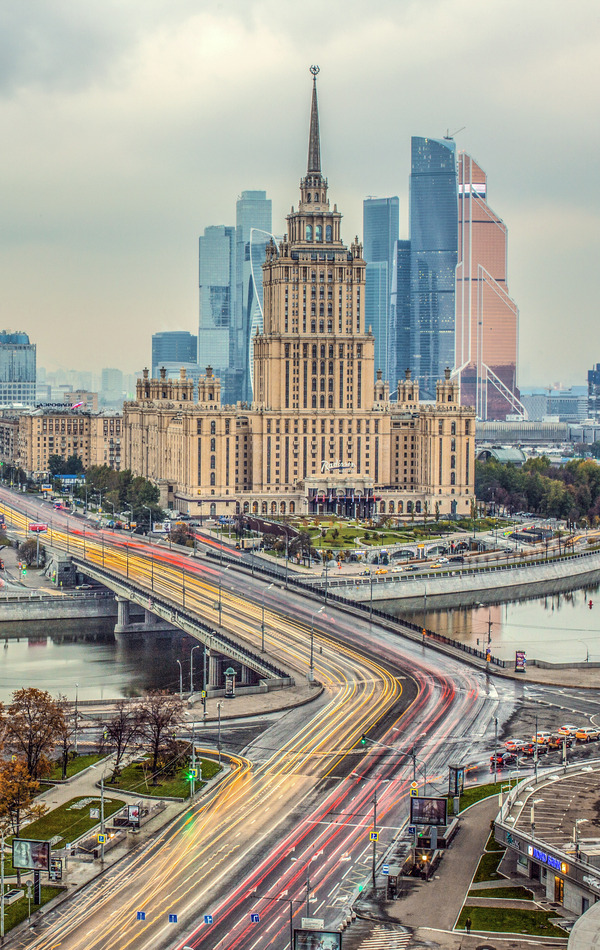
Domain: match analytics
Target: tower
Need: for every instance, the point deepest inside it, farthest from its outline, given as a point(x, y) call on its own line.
point(434, 244)
point(252, 234)
point(487, 319)
point(381, 221)
point(216, 340)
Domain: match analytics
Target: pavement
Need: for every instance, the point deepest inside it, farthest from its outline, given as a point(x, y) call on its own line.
point(423, 916)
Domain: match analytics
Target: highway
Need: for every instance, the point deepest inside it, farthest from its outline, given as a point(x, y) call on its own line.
point(298, 805)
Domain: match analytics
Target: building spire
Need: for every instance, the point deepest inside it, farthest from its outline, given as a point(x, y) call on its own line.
point(314, 143)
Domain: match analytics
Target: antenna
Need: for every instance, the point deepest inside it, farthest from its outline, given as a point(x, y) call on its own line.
point(448, 136)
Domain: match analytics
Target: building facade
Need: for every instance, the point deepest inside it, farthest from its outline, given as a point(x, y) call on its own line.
point(434, 256)
point(253, 232)
point(487, 319)
point(321, 434)
point(381, 223)
point(399, 358)
point(17, 369)
point(173, 346)
point(94, 437)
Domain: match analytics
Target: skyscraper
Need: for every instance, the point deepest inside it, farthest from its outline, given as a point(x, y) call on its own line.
point(175, 347)
point(487, 319)
point(252, 233)
point(380, 231)
point(434, 244)
point(399, 355)
point(17, 369)
point(217, 267)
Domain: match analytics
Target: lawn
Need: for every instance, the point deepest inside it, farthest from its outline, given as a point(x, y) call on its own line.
point(476, 793)
point(487, 869)
point(137, 778)
point(74, 766)
point(509, 920)
point(492, 844)
point(509, 893)
point(17, 912)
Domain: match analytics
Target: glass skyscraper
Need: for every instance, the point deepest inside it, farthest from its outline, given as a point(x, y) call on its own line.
point(434, 256)
point(17, 369)
point(216, 330)
point(174, 347)
point(252, 234)
point(399, 355)
point(381, 218)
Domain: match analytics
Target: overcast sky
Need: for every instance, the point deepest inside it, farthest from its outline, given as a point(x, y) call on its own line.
point(131, 125)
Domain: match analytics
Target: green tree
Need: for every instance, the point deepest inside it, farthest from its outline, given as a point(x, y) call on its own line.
point(28, 551)
point(56, 465)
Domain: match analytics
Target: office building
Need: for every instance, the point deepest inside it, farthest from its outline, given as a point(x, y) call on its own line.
point(216, 335)
point(399, 355)
point(321, 434)
point(252, 234)
point(381, 217)
point(487, 318)
point(82, 399)
point(434, 256)
point(17, 369)
point(173, 346)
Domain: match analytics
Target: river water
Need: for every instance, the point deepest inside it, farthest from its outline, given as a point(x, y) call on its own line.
point(561, 628)
point(68, 657)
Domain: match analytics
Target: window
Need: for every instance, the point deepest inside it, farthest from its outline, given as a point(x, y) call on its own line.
point(328, 235)
point(318, 233)
point(212, 478)
point(309, 229)
point(212, 445)
point(213, 427)
point(453, 461)
point(453, 478)
point(453, 429)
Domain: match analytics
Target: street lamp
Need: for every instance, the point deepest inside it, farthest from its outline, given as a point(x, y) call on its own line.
point(220, 586)
point(76, 713)
point(180, 679)
point(262, 624)
point(578, 821)
point(149, 510)
point(219, 705)
point(311, 667)
point(197, 647)
point(536, 801)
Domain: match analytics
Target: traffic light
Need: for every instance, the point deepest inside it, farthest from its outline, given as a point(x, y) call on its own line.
point(363, 739)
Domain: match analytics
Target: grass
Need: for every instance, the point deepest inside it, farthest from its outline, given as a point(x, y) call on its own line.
point(492, 844)
point(487, 869)
point(509, 893)
point(134, 778)
point(510, 920)
point(476, 793)
point(74, 766)
point(15, 913)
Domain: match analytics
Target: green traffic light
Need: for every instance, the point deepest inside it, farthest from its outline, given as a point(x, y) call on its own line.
point(363, 739)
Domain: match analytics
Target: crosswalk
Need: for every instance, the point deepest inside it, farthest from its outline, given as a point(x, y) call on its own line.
point(382, 938)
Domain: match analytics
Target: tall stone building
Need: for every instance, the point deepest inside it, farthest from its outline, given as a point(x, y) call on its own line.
point(321, 435)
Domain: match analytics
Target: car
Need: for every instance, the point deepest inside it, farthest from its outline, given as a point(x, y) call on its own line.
point(530, 747)
point(503, 759)
point(364, 573)
point(457, 559)
point(110, 524)
point(541, 738)
point(568, 730)
point(443, 560)
point(557, 741)
point(381, 570)
point(587, 734)
point(514, 745)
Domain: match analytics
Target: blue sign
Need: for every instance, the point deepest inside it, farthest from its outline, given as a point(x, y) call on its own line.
point(141, 915)
point(172, 918)
point(547, 859)
point(208, 918)
point(385, 869)
point(255, 918)
point(412, 829)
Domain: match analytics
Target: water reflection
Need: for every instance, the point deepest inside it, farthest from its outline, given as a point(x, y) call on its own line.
point(61, 654)
point(562, 627)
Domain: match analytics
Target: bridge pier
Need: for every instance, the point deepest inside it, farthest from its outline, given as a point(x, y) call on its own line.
point(151, 625)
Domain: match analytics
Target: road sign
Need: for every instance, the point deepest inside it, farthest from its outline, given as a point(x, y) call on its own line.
point(193, 773)
point(313, 923)
point(141, 915)
point(255, 918)
point(101, 839)
point(414, 784)
point(414, 793)
point(172, 918)
point(208, 918)
point(374, 836)
point(203, 694)
point(385, 869)
point(412, 829)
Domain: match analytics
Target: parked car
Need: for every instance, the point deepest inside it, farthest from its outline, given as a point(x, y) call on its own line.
point(568, 730)
point(588, 734)
point(503, 759)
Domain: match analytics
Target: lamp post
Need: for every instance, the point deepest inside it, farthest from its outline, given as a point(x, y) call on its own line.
point(262, 623)
point(197, 647)
point(76, 713)
point(311, 666)
point(536, 801)
point(220, 587)
point(371, 600)
point(149, 510)
point(180, 679)
point(578, 821)
point(219, 705)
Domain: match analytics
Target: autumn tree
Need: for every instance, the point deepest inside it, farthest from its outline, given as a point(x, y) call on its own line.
point(121, 732)
point(160, 715)
point(32, 727)
point(17, 798)
point(65, 733)
point(180, 534)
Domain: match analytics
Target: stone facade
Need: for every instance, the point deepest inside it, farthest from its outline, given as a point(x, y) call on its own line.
point(322, 434)
point(94, 437)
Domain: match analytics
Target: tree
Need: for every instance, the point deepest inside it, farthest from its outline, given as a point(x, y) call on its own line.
point(56, 465)
point(179, 534)
point(73, 465)
point(66, 732)
point(160, 716)
point(121, 732)
point(17, 798)
point(28, 552)
point(32, 727)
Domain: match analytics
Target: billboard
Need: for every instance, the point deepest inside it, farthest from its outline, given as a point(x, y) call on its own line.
point(520, 661)
point(133, 814)
point(29, 855)
point(317, 940)
point(428, 811)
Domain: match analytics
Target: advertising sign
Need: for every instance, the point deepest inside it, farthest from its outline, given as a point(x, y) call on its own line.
point(317, 940)
point(133, 814)
point(56, 869)
point(29, 855)
point(520, 661)
point(428, 811)
point(38, 528)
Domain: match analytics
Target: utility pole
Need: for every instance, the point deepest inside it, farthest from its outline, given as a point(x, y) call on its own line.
point(102, 819)
point(375, 833)
point(495, 750)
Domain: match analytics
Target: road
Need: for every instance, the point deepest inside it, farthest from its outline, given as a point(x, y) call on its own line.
point(299, 806)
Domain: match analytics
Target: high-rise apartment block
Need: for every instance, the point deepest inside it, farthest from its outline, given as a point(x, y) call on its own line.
point(17, 369)
point(381, 221)
point(321, 434)
point(487, 319)
point(434, 255)
point(174, 347)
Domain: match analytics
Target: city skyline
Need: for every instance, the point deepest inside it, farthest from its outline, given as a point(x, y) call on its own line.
point(104, 203)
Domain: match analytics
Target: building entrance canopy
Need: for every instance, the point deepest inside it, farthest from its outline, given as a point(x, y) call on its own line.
point(347, 495)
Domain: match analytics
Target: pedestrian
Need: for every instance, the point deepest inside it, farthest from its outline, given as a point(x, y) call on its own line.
point(468, 925)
